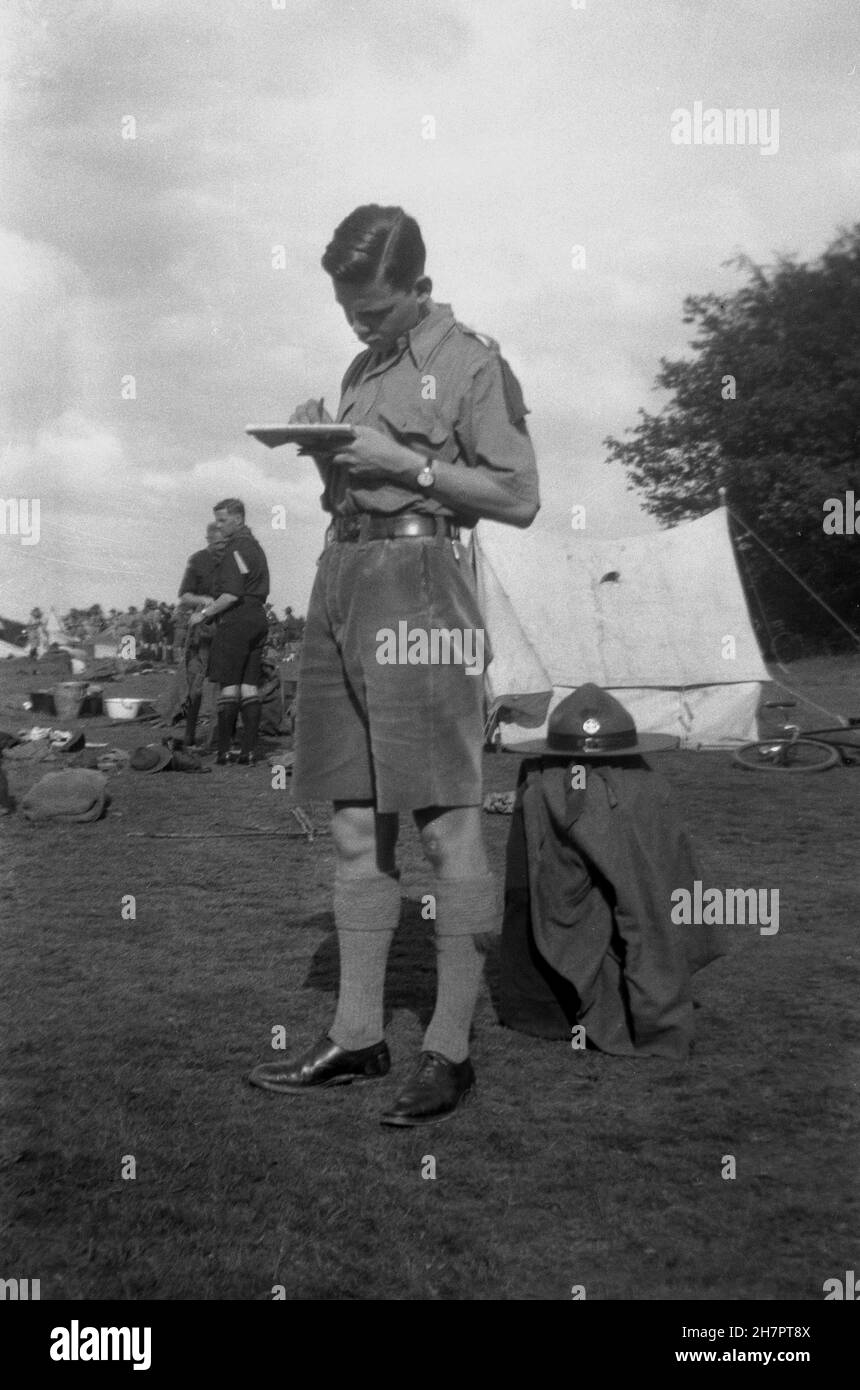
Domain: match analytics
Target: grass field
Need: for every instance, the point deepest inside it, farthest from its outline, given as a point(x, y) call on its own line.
point(133, 1038)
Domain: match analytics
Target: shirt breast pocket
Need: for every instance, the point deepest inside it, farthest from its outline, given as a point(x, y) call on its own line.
point(425, 433)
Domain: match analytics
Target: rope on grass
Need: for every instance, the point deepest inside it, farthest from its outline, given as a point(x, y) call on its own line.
point(308, 832)
point(225, 834)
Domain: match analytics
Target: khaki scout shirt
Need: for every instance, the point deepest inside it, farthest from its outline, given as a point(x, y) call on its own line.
point(477, 418)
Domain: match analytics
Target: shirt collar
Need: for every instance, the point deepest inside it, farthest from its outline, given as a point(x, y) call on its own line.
point(421, 340)
point(428, 333)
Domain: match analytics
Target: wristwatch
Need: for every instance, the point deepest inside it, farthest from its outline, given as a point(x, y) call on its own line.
point(427, 477)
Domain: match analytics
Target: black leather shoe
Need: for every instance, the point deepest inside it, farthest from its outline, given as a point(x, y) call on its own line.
point(247, 760)
point(433, 1091)
point(323, 1064)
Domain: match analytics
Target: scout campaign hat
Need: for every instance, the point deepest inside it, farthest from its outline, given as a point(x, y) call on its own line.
point(150, 758)
point(591, 723)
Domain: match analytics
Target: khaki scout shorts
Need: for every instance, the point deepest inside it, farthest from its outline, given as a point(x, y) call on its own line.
point(404, 735)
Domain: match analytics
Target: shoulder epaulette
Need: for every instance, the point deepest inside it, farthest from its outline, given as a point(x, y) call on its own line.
point(484, 338)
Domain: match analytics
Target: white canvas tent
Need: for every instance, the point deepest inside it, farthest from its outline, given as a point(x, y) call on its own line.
point(660, 620)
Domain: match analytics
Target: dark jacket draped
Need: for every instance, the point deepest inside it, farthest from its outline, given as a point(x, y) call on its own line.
point(587, 935)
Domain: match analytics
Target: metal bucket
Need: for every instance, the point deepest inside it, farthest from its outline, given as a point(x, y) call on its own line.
point(67, 698)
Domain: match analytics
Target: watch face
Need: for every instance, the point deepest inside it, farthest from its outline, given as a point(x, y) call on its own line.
point(425, 478)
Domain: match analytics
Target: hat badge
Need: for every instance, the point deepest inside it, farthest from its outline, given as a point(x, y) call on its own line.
point(591, 726)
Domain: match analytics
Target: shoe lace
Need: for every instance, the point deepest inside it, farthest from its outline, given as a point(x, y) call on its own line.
point(430, 1063)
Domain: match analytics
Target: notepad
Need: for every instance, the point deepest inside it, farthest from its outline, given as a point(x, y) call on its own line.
point(323, 436)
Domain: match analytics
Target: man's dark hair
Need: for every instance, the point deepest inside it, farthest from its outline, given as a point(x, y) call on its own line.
point(231, 505)
point(376, 241)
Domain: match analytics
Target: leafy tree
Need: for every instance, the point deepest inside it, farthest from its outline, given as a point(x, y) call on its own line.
point(769, 409)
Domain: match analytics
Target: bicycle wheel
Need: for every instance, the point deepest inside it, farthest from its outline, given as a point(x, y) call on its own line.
point(785, 755)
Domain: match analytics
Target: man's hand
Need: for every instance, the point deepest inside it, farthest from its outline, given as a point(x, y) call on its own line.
point(311, 413)
point(373, 455)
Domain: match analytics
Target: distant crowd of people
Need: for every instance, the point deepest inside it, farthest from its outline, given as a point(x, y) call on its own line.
point(159, 629)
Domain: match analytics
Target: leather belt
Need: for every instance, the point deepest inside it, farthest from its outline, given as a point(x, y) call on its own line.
point(373, 526)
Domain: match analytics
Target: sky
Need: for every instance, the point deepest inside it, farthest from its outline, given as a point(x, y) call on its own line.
point(173, 169)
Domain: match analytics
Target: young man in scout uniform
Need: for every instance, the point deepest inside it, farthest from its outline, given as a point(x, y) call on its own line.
point(196, 591)
point(440, 441)
point(242, 587)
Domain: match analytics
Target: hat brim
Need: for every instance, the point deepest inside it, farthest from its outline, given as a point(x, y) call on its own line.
point(164, 757)
point(645, 743)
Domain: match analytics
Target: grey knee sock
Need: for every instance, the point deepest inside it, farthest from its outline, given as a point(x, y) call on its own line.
point(366, 913)
point(466, 909)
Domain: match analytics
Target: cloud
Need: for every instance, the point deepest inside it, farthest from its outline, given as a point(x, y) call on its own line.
point(258, 127)
point(42, 296)
point(288, 481)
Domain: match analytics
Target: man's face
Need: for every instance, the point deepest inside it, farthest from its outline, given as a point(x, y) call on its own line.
point(377, 314)
point(228, 523)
